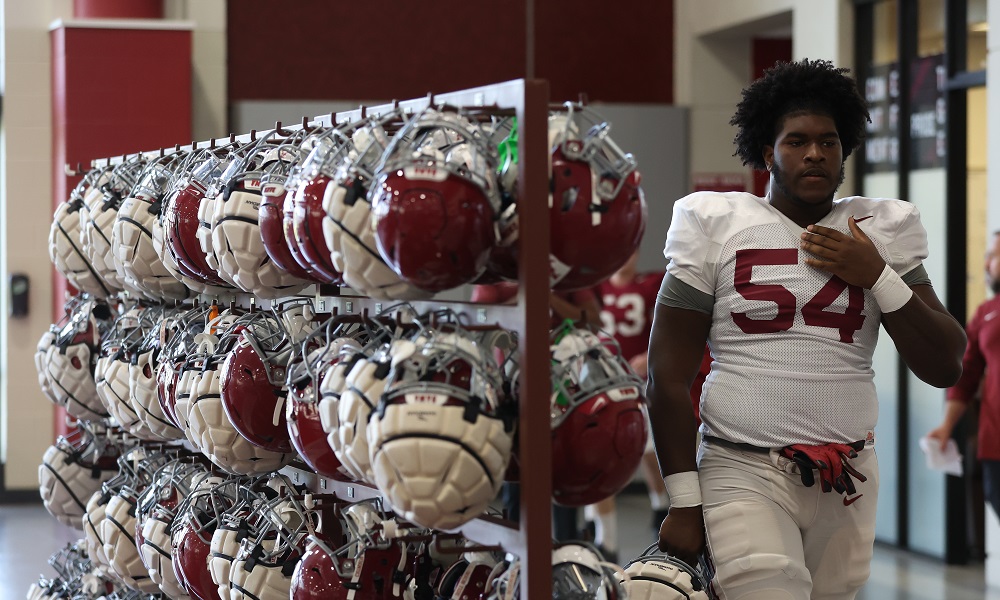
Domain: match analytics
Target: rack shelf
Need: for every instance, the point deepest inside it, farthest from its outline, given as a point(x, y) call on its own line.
point(531, 538)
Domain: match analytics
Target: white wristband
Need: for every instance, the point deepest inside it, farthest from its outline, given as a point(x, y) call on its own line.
point(890, 292)
point(683, 489)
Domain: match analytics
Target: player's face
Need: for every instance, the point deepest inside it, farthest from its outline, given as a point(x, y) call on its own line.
point(807, 162)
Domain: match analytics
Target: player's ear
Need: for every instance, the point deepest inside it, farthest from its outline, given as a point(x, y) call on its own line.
point(768, 155)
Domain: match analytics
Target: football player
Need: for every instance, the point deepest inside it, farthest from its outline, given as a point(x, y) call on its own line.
point(789, 290)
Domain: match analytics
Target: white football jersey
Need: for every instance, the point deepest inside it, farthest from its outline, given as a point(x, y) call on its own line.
point(792, 344)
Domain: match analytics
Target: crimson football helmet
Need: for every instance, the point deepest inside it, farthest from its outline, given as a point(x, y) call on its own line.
point(350, 239)
point(198, 516)
point(369, 566)
point(598, 411)
point(303, 210)
point(278, 181)
point(435, 201)
point(251, 383)
point(181, 222)
point(305, 427)
point(597, 211)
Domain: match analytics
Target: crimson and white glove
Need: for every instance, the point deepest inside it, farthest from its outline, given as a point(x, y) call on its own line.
point(831, 460)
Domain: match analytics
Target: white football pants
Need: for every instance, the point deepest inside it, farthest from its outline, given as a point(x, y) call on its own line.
point(772, 538)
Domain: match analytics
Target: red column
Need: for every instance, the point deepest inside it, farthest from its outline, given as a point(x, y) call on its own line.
point(118, 9)
point(114, 91)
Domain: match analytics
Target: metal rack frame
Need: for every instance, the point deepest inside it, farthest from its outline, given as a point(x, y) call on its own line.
point(531, 538)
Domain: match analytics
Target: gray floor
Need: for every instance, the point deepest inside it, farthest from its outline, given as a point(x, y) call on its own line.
point(28, 536)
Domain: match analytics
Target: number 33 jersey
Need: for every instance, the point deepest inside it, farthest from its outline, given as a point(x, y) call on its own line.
point(792, 345)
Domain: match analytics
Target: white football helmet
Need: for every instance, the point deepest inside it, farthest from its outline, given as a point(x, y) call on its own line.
point(655, 575)
point(72, 470)
point(97, 220)
point(69, 362)
point(118, 530)
point(65, 249)
point(580, 572)
point(235, 234)
point(132, 235)
point(441, 399)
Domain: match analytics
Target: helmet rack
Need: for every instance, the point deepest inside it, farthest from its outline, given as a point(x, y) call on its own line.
point(528, 100)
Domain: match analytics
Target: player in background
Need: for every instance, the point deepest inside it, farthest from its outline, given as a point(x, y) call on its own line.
point(981, 370)
point(789, 290)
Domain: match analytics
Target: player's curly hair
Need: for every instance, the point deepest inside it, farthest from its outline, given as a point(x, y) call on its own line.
point(814, 86)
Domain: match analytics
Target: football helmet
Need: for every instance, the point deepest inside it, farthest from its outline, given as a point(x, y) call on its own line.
point(236, 233)
point(196, 183)
point(579, 571)
point(198, 516)
point(118, 351)
point(362, 388)
point(119, 526)
point(369, 566)
point(65, 249)
point(435, 201)
point(597, 211)
point(263, 565)
point(350, 239)
point(656, 574)
point(440, 439)
point(156, 509)
point(97, 220)
point(45, 343)
point(132, 234)
point(69, 362)
point(277, 182)
point(599, 424)
point(303, 211)
point(142, 384)
point(72, 470)
point(251, 382)
point(208, 425)
point(305, 427)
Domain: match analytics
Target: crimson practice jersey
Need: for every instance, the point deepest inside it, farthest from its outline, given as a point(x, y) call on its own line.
point(627, 311)
point(792, 344)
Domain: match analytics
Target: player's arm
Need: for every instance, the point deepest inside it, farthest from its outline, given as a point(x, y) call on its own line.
point(583, 308)
point(676, 347)
point(930, 340)
point(928, 337)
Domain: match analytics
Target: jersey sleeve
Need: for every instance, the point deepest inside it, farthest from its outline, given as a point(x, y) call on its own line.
point(692, 255)
point(908, 243)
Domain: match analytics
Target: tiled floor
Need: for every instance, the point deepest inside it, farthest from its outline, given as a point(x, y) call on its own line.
point(28, 536)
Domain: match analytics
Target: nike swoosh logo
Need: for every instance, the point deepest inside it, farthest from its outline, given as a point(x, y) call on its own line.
point(850, 501)
point(857, 220)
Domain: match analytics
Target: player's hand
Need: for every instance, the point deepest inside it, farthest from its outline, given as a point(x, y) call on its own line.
point(941, 434)
point(682, 534)
point(852, 258)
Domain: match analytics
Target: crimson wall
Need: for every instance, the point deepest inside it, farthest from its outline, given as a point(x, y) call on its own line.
point(384, 49)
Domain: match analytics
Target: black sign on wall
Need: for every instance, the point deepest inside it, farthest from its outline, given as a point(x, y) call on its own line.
point(928, 112)
point(927, 118)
